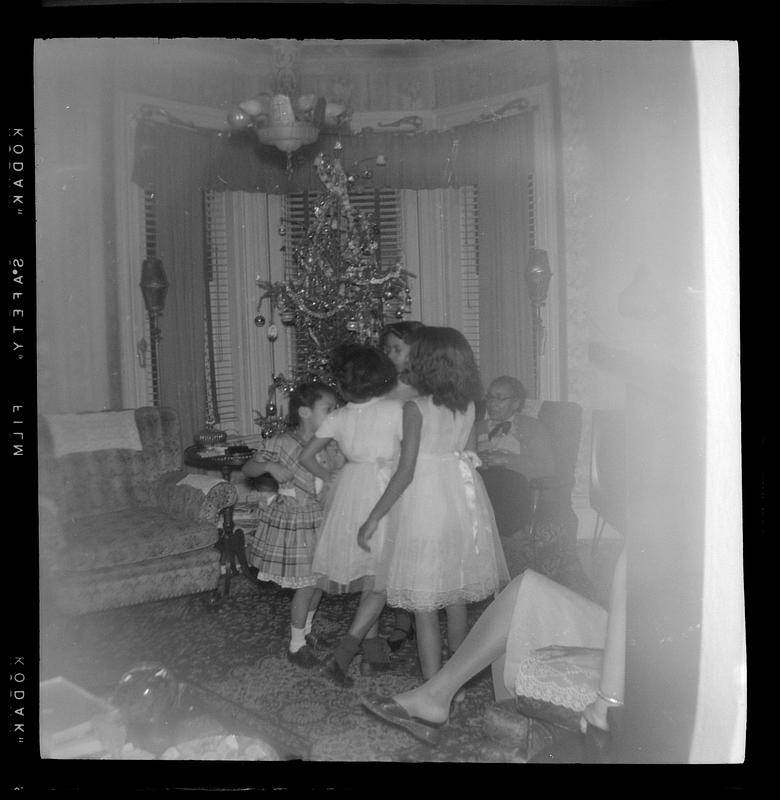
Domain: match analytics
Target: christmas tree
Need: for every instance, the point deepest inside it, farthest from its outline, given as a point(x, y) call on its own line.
point(339, 291)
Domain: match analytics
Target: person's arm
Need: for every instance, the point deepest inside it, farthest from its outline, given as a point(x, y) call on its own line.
point(402, 477)
point(307, 457)
point(255, 467)
point(613, 671)
point(471, 442)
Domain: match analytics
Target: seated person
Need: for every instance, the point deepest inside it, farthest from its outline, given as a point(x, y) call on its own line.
point(547, 642)
point(514, 449)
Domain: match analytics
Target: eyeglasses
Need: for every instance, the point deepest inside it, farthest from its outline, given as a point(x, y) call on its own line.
point(496, 398)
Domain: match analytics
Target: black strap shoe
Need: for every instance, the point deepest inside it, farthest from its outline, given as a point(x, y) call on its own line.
point(304, 657)
point(332, 670)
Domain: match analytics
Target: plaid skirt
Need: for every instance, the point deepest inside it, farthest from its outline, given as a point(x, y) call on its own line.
point(282, 545)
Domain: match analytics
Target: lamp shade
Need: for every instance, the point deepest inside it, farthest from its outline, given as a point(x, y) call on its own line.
point(154, 285)
point(288, 138)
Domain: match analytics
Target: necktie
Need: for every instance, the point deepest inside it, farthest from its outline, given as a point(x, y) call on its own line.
point(501, 429)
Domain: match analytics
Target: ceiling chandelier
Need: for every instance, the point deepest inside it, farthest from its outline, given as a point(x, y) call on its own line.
point(285, 118)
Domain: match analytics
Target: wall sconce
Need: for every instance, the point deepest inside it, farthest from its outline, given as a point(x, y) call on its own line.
point(154, 287)
point(537, 277)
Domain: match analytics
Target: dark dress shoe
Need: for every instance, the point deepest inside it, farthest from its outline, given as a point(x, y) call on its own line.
point(331, 669)
point(304, 657)
point(318, 642)
point(388, 710)
point(398, 636)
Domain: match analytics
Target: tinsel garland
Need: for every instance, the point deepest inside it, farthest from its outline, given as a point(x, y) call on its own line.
point(340, 291)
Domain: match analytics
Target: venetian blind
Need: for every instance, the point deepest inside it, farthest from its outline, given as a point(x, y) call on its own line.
point(469, 261)
point(380, 205)
point(220, 378)
point(152, 369)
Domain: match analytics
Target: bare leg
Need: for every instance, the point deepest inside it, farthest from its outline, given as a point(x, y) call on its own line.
point(366, 621)
point(315, 599)
point(485, 642)
point(457, 625)
point(428, 642)
point(304, 600)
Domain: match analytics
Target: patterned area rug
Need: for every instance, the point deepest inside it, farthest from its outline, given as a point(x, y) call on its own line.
point(237, 652)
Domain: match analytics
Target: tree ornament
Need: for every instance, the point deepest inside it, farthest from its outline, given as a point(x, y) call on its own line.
point(272, 333)
point(259, 320)
point(238, 119)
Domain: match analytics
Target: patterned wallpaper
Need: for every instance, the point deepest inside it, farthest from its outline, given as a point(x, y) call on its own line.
point(578, 194)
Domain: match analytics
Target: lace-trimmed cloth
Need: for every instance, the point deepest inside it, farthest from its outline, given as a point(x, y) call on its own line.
point(547, 613)
point(85, 433)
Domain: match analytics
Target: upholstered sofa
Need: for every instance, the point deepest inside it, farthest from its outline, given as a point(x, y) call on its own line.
point(116, 524)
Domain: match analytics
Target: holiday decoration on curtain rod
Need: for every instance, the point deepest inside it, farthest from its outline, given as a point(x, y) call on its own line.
point(339, 290)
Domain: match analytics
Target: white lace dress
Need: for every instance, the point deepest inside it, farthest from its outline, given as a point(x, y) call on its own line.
point(547, 613)
point(442, 544)
point(369, 436)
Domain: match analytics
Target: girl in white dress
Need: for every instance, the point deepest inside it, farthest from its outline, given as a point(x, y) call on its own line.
point(368, 432)
point(396, 340)
point(442, 549)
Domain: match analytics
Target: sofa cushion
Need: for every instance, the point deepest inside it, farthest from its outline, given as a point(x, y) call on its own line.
point(131, 536)
point(85, 592)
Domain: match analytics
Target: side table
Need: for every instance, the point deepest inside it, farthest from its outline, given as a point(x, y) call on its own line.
point(231, 542)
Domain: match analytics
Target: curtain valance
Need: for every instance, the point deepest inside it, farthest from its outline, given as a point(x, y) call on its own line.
point(465, 155)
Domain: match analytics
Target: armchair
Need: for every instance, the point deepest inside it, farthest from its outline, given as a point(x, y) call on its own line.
point(116, 526)
point(548, 544)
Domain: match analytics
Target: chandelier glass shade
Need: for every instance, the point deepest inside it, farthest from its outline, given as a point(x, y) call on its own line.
point(284, 121)
point(288, 138)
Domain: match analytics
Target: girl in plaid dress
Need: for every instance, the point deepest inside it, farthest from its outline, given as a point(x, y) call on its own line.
point(286, 533)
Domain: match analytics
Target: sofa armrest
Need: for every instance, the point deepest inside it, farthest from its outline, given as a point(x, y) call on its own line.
point(188, 502)
point(50, 532)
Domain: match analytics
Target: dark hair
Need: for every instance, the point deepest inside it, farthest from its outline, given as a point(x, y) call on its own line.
point(406, 331)
point(363, 371)
point(263, 483)
point(305, 395)
point(518, 390)
point(442, 365)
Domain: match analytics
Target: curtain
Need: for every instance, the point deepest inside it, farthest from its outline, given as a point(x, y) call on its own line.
point(178, 165)
point(501, 164)
point(237, 162)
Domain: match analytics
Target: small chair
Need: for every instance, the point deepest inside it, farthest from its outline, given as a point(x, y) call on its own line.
point(607, 471)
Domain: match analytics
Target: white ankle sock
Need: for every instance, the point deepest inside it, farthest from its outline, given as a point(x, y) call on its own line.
point(309, 618)
point(297, 638)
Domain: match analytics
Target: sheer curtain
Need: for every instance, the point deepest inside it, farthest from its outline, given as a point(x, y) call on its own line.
point(505, 158)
